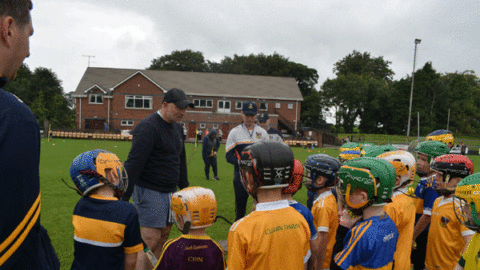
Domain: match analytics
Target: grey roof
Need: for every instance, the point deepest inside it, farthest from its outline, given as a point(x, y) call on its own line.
point(197, 83)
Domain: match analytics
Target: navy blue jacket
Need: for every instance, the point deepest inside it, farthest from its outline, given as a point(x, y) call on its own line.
point(209, 144)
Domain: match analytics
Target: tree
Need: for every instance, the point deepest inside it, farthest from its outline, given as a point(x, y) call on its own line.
point(358, 63)
point(186, 60)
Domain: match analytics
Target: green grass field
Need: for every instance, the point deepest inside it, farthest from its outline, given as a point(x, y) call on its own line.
point(58, 200)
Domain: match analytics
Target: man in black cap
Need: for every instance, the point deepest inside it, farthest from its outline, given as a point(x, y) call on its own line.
point(240, 137)
point(264, 121)
point(156, 166)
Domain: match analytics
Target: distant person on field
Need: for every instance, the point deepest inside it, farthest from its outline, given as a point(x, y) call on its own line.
point(210, 145)
point(24, 243)
point(106, 229)
point(265, 122)
point(195, 209)
point(274, 236)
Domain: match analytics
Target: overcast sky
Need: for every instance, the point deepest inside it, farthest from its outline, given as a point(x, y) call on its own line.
point(129, 34)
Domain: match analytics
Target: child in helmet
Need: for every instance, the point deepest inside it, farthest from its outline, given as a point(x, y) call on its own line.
point(195, 209)
point(287, 194)
point(320, 177)
point(107, 232)
point(426, 152)
point(274, 236)
point(402, 208)
point(447, 238)
point(366, 185)
point(466, 202)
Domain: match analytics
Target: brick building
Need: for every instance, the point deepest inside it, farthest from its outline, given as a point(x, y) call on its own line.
point(118, 99)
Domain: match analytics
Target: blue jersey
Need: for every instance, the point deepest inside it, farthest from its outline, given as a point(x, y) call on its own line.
point(105, 229)
point(369, 245)
point(307, 214)
point(426, 192)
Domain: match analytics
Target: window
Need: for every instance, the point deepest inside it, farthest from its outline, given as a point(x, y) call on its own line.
point(138, 102)
point(202, 125)
point(203, 103)
point(263, 106)
point(96, 99)
point(290, 105)
point(277, 105)
point(223, 106)
point(128, 123)
point(238, 105)
point(215, 126)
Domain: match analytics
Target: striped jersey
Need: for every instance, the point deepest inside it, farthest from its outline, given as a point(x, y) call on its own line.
point(274, 236)
point(325, 216)
point(402, 212)
point(445, 238)
point(191, 252)
point(104, 230)
point(369, 245)
point(425, 191)
point(241, 137)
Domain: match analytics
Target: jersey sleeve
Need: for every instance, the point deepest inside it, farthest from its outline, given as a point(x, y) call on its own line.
point(429, 199)
point(236, 249)
point(133, 240)
point(231, 141)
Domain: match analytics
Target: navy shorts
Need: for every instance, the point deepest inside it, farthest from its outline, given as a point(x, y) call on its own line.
point(153, 207)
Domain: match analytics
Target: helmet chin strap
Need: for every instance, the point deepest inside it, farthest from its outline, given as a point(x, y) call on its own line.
point(186, 227)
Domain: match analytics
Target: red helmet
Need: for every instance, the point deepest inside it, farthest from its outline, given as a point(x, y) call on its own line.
point(452, 166)
point(296, 180)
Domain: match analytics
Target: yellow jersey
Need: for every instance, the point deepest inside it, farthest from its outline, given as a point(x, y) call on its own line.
point(470, 258)
point(274, 236)
point(402, 212)
point(445, 238)
point(325, 218)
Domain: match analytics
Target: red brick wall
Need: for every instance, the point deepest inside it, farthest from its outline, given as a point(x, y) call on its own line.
point(139, 85)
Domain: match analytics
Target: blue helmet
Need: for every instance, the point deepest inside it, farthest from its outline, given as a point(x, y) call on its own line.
point(88, 171)
point(321, 165)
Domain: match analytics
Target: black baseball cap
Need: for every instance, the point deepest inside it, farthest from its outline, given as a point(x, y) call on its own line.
point(249, 108)
point(263, 117)
point(177, 97)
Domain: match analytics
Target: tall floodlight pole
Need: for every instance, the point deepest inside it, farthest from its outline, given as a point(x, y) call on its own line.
point(448, 121)
point(417, 41)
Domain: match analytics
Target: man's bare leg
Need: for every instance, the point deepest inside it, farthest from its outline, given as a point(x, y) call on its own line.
point(154, 238)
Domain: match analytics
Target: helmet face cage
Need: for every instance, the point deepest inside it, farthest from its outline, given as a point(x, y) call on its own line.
point(467, 201)
point(296, 180)
point(466, 213)
point(249, 173)
point(196, 205)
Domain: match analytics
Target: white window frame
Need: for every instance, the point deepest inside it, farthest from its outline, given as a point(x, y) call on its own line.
point(278, 105)
point(197, 103)
point(203, 125)
point(96, 98)
point(127, 123)
point(138, 97)
point(215, 126)
point(260, 106)
point(223, 110)
point(237, 103)
point(290, 106)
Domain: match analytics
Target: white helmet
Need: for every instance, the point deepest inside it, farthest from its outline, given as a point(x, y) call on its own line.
point(407, 159)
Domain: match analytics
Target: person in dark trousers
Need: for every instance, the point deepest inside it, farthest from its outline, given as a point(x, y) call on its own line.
point(24, 243)
point(210, 145)
point(156, 166)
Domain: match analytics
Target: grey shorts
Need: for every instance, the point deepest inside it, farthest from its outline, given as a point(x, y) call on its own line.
point(153, 207)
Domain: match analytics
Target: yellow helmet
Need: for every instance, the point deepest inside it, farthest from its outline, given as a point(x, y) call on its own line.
point(399, 158)
point(441, 135)
point(467, 201)
point(194, 207)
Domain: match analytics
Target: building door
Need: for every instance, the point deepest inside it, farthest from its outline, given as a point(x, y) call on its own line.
point(192, 130)
point(95, 124)
point(224, 106)
point(225, 131)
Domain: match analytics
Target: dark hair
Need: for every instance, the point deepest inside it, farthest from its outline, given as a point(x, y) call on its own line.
point(18, 9)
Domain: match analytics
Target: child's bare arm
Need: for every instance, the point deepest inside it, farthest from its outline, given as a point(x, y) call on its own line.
point(130, 261)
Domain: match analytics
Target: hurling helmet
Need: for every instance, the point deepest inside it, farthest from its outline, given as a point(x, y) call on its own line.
point(451, 166)
point(320, 165)
point(266, 165)
point(467, 201)
point(88, 171)
point(406, 159)
point(195, 206)
point(376, 150)
point(296, 181)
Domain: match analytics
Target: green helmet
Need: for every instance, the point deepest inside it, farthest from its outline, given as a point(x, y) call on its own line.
point(467, 201)
point(432, 149)
point(377, 177)
point(377, 150)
